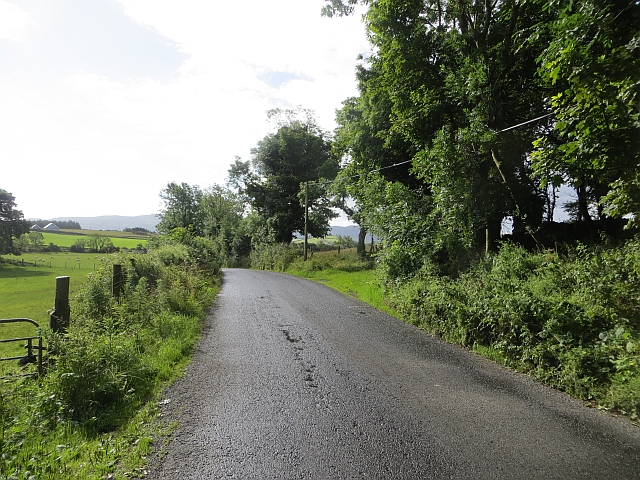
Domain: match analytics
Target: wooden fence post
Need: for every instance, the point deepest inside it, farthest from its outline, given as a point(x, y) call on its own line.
point(118, 281)
point(59, 318)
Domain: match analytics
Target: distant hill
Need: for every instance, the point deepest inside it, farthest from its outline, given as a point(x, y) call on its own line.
point(117, 222)
point(350, 231)
point(114, 222)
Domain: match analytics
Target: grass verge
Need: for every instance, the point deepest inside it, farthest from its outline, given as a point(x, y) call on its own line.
point(93, 415)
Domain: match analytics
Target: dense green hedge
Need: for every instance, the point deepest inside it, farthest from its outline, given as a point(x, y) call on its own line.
point(572, 321)
point(114, 359)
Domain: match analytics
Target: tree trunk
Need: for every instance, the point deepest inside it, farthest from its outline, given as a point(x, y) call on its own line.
point(583, 207)
point(512, 189)
point(362, 249)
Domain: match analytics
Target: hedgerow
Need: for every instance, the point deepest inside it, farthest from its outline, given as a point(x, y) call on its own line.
point(572, 320)
point(107, 367)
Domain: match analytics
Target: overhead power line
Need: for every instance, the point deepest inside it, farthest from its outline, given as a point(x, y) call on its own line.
point(361, 174)
point(524, 123)
point(409, 161)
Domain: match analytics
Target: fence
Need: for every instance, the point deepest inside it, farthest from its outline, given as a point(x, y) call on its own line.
point(59, 319)
point(29, 357)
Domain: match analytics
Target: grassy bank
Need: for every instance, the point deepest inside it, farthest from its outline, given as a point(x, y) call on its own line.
point(92, 415)
point(346, 273)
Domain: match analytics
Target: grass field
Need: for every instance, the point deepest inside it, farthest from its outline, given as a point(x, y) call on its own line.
point(315, 241)
point(29, 291)
point(344, 273)
point(69, 237)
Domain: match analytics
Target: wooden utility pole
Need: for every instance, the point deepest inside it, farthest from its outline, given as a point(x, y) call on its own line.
point(59, 318)
point(306, 217)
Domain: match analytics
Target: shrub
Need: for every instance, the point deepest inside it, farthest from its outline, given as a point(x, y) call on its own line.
point(572, 321)
point(274, 256)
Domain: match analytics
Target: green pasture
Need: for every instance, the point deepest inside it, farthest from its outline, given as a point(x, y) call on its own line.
point(117, 238)
point(314, 241)
point(29, 291)
point(104, 233)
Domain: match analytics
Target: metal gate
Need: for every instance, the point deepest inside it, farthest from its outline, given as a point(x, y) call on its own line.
point(34, 351)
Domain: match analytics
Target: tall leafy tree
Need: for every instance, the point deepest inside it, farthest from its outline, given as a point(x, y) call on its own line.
point(272, 182)
point(12, 222)
point(442, 86)
point(181, 208)
point(223, 221)
point(592, 68)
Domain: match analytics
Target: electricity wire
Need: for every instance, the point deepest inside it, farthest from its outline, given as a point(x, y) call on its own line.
point(409, 161)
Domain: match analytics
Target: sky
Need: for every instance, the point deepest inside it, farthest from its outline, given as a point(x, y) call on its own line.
point(104, 102)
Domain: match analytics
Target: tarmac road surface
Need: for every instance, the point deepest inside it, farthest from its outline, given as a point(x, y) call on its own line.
point(292, 380)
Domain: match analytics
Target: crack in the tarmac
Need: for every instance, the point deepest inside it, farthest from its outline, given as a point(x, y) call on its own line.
point(307, 368)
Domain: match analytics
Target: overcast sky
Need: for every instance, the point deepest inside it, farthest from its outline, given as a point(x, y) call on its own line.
point(103, 102)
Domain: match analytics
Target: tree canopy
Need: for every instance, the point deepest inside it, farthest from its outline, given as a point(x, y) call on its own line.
point(298, 152)
point(12, 222)
point(495, 104)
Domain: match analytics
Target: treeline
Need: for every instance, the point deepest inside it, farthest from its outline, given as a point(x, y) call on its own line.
point(137, 230)
point(489, 109)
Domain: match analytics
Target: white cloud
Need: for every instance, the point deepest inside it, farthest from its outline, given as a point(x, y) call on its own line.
point(13, 21)
point(112, 140)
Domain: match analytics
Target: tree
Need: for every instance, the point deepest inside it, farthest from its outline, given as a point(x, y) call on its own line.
point(272, 182)
point(12, 222)
point(222, 216)
point(36, 241)
point(181, 208)
point(592, 69)
point(99, 243)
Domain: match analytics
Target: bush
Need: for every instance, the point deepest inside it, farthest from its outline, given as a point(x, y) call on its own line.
point(274, 256)
point(572, 321)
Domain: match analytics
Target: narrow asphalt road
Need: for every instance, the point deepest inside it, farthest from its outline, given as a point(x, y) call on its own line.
point(292, 380)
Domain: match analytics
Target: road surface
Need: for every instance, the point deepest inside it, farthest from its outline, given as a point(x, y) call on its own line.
point(292, 380)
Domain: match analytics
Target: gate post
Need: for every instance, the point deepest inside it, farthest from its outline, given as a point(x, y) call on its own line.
point(59, 318)
point(117, 284)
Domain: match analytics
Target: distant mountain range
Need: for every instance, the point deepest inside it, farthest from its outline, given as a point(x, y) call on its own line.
point(114, 222)
point(118, 222)
point(350, 231)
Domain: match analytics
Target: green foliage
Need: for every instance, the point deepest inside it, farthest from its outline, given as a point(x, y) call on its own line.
point(12, 222)
point(272, 183)
point(78, 246)
point(269, 256)
point(591, 67)
point(210, 222)
point(348, 262)
point(137, 230)
point(181, 208)
point(104, 372)
point(345, 241)
point(571, 321)
point(479, 111)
